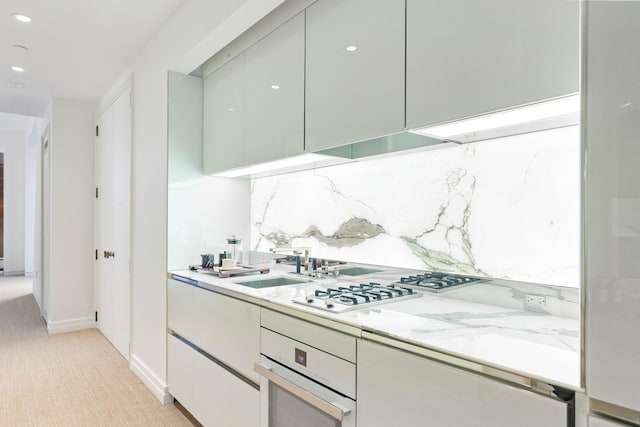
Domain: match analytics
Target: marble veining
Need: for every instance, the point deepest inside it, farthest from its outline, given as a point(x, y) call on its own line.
point(506, 208)
point(539, 345)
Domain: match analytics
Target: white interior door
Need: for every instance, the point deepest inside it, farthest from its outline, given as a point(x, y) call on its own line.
point(112, 222)
point(45, 228)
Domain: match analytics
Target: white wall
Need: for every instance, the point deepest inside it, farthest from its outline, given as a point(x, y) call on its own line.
point(196, 223)
point(31, 169)
point(13, 146)
point(194, 33)
point(72, 253)
point(37, 128)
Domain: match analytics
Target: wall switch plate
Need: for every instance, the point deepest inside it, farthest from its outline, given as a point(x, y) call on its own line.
point(536, 300)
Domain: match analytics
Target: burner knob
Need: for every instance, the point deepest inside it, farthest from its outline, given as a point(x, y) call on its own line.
point(329, 302)
point(310, 298)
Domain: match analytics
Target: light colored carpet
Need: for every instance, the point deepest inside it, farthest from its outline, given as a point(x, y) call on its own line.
point(72, 379)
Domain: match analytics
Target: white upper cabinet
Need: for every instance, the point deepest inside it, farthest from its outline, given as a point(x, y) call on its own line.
point(354, 71)
point(468, 57)
point(274, 94)
point(184, 106)
point(223, 105)
point(612, 204)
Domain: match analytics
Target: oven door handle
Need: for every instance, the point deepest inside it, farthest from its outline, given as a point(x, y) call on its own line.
point(334, 410)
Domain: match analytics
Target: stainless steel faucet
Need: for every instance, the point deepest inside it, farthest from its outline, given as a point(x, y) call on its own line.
point(295, 251)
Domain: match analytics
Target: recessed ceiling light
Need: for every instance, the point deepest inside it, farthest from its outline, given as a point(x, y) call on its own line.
point(15, 85)
point(231, 109)
point(22, 18)
point(275, 87)
point(21, 47)
point(18, 69)
point(351, 48)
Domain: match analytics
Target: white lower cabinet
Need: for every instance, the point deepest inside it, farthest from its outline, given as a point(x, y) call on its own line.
point(180, 370)
point(180, 296)
point(223, 392)
point(214, 396)
point(228, 329)
point(396, 388)
point(602, 422)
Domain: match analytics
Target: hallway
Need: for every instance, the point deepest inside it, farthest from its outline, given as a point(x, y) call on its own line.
point(71, 379)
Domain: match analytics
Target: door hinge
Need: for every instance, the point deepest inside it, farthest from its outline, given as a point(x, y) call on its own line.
point(96, 192)
point(96, 315)
point(96, 254)
point(97, 130)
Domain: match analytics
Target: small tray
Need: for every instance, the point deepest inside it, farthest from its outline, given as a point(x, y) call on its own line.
point(228, 272)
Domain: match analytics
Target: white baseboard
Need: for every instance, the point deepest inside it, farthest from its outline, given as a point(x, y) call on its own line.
point(158, 388)
point(70, 325)
point(14, 273)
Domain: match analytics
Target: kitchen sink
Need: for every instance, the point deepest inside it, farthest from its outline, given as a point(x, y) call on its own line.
point(269, 283)
point(357, 271)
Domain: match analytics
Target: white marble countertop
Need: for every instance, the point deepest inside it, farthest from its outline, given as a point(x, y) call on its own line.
point(534, 345)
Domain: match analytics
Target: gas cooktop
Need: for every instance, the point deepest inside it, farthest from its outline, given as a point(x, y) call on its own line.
point(436, 282)
point(351, 296)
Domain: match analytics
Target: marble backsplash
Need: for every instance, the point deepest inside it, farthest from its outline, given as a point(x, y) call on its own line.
point(506, 208)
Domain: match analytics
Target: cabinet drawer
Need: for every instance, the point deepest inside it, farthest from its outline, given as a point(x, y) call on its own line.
point(221, 399)
point(210, 393)
point(180, 370)
point(334, 342)
point(180, 307)
point(228, 329)
point(326, 368)
point(602, 422)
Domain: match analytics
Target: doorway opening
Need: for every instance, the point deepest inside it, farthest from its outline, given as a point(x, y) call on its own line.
point(1, 213)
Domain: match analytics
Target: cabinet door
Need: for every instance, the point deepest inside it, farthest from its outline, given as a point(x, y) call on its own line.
point(401, 389)
point(228, 329)
point(221, 399)
point(180, 308)
point(212, 395)
point(180, 371)
point(184, 115)
point(602, 422)
point(223, 110)
point(467, 57)
point(355, 71)
point(612, 201)
point(274, 94)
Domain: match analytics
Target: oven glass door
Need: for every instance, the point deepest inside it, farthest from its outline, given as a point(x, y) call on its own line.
point(288, 410)
point(293, 400)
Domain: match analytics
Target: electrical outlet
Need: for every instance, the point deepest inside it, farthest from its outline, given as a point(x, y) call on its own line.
point(536, 300)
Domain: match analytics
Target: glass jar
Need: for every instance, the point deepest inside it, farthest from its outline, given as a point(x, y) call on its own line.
point(234, 249)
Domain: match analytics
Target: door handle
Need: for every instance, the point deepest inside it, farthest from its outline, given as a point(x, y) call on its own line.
point(109, 254)
point(333, 409)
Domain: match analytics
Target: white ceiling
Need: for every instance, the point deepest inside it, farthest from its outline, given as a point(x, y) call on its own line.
point(77, 48)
